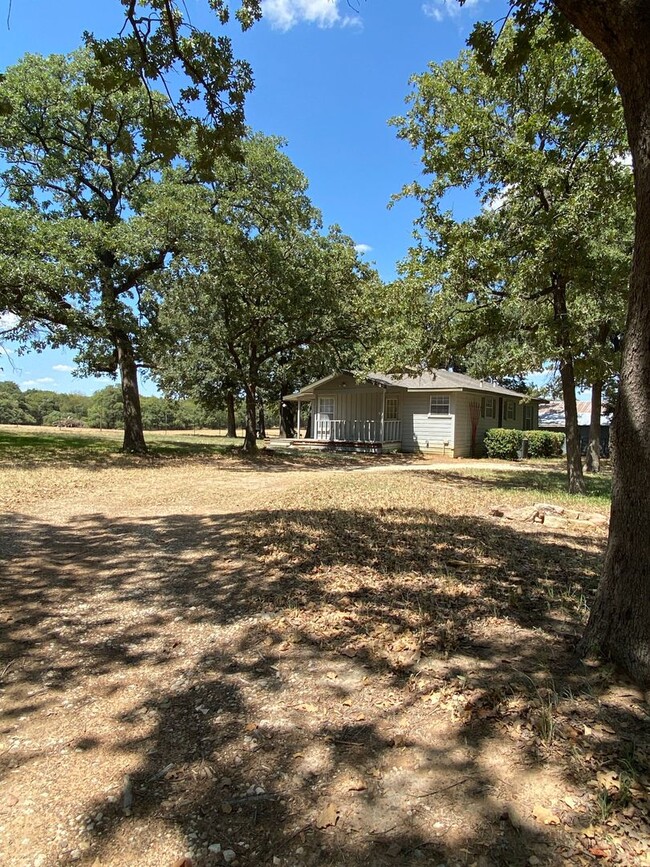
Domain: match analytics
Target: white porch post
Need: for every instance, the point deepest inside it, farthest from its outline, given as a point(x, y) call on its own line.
point(383, 407)
point(298, 419)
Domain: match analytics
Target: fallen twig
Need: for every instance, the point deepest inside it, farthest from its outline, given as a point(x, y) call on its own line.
point(7, 667)
point(445, 788)
point(295, 834)
point(161, 773)
point(251, 799)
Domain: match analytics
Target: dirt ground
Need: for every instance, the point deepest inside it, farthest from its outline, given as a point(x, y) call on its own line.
point(209, 661)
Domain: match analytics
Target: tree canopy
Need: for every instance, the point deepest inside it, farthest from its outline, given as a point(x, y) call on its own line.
point(159, 40)
point(89, 218)
point(541, 272)
point(261, 286)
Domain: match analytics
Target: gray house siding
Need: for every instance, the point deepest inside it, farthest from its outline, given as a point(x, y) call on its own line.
point(354, 412)
point(463, 431)
point(360, 406)
point(423, 432)
point(353, 403)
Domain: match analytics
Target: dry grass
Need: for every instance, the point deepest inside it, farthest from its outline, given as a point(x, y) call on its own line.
point(304, 660)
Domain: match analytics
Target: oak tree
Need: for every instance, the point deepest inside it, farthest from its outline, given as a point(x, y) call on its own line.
point(544, 264)
point(90, 217)
point(260, 287)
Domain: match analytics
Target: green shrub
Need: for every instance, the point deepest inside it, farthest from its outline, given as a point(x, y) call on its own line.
point(503, 443)
point(544, 443)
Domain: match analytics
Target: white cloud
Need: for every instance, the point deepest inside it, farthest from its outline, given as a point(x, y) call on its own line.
point(8, 321)
point(285, 14)
point(363, 248)
point(63, 368)
point(500, 198)
point(441, 9)
point(30, 383)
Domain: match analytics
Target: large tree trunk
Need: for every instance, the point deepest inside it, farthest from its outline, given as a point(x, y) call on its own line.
point(287, 414)
point(230, 420)
point(619, 625)
point(250, 436)
point(576, 482)
point(593, 447)
point(261, 422)
point(133, 430)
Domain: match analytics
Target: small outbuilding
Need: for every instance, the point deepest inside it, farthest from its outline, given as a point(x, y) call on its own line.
point(551, 417)
point(437, 412)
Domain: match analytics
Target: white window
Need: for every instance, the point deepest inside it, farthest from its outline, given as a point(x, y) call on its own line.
point(489, 406)
point(390, 412)
point(326, 407)
point(439, 405)
point(510, 411)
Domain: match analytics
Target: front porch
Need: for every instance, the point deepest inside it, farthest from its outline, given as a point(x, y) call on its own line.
point(353, 435)
point(355, 430)
point(347, 415)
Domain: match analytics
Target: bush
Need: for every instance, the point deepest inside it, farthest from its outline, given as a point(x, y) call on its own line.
point(544, 443)
point(503, 443)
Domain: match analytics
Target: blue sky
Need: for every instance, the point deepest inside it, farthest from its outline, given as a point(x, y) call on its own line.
point(328, 76)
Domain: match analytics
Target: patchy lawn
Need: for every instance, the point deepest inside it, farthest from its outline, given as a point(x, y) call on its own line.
point(297, 661)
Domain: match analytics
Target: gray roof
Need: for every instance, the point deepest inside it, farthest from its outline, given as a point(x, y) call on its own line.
point(443, 380)
point(433, 380)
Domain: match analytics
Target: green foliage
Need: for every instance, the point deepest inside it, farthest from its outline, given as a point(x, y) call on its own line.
point(159, 41)
point(506, 443)
point(261, 292)
point(14, 409)
point(103, 409)
point(43, 403)
point(543, 146)
point(503, 443)
point(92, 213)
point(106, 409)
point(544, 443)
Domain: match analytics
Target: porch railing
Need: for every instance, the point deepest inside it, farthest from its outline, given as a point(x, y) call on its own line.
point(355, 430)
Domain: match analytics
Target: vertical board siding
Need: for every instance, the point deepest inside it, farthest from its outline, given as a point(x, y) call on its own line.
point(358, 404)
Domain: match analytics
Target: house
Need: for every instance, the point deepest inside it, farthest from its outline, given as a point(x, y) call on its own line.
point(551, 417)
point(438, 412)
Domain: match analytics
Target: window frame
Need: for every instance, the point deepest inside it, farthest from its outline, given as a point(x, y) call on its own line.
point(442, 398)
point(393, 401)
point(493, 403)
point(510, 410)
point(528, 417)
point(326, 414)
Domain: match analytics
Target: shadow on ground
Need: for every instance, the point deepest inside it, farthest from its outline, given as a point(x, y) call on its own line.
point(319, 687)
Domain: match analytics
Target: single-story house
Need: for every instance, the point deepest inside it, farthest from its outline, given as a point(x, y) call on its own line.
point(439, 412)
point(551, 417)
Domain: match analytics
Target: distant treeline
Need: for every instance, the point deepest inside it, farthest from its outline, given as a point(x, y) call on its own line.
point(104, 409)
